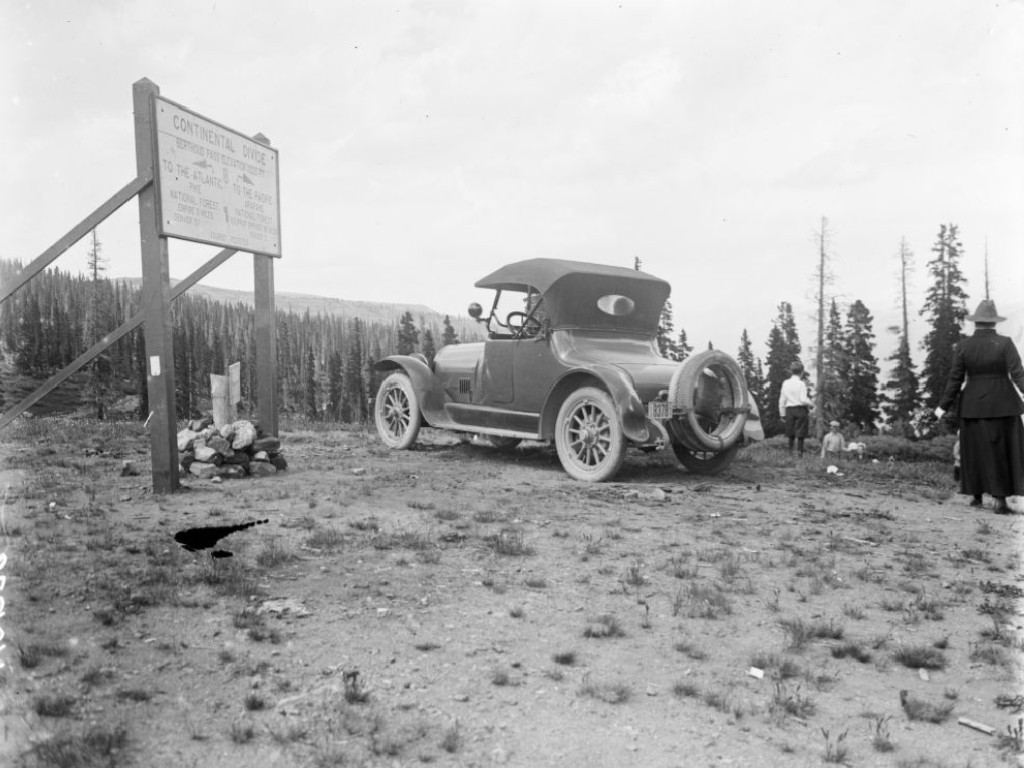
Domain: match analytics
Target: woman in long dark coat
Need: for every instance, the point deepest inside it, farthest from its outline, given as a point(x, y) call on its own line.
point(991, 432)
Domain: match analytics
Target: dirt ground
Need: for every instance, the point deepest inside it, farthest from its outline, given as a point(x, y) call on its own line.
point(459, 606)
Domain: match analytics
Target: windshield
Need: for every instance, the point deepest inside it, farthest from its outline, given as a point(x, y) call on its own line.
point(516, 313)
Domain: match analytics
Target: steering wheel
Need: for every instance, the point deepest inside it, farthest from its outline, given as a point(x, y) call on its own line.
point(525, 325)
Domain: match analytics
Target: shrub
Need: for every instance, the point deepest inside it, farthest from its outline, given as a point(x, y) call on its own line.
point(938, 449)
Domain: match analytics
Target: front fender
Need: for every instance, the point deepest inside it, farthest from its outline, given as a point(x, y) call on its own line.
point(619, 386)
point(426, 385)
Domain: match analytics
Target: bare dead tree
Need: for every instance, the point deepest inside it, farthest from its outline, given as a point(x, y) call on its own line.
point(906, 263)
point(823, 277)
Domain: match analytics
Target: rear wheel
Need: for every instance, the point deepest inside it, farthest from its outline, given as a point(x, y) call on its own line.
point(396, 412)
point(588, 436)
point(705, 462)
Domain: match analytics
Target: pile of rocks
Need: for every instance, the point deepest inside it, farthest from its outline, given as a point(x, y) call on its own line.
point(233, 451)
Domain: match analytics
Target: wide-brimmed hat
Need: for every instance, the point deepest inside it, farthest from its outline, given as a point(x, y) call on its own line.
point(833, 423)
point(986, 313)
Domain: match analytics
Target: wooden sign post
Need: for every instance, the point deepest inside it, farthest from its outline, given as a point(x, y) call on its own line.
point(156, 287)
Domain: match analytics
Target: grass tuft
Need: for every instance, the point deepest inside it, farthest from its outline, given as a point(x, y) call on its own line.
point(565, 658)
point(451, 741)
point(852, 649)
point(791, 702)
point(97, 746)
point(610, 693)
point(605, 625)
point(273, 554)
point(920, 657)
point(54, 705)
point(919, 709)
point(835, 751)
point(329, 539)
point(509, 542)
point(881, 739)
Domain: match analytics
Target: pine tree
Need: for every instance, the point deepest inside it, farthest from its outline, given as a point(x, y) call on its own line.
point(335, 389)
point(860, 368)
point(751, 367)
point(783, 350)
point(182, 371)
point(284, 346)
point(99, 381)
point(945, 306)
point(787, 324)
point(667, 346)
point(309, 389)
point(371, 378)
point(408, 335)
point(140, 375)
point(778, 361)
point(832, 388)
point(29, 357)
point(353, 408)
point(429, 350)
point(683, 349)
point(9, 270)
point(902, 395)
point(448, 336)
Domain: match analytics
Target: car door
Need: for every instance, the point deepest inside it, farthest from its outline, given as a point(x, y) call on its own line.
point(498, 388)
point(517, 373)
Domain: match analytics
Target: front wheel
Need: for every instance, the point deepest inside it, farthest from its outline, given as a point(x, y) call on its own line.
point(588, 436)
point(396, 412)
point(705, 462)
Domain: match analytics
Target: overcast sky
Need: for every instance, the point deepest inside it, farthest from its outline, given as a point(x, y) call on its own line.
point(424, 144)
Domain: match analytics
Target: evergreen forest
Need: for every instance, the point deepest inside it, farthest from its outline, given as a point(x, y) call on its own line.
point(326, 361)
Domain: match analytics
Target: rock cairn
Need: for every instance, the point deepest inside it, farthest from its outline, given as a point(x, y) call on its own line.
point(234, 451)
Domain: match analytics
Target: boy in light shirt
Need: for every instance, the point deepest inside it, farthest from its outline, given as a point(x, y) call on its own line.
point(795, 407)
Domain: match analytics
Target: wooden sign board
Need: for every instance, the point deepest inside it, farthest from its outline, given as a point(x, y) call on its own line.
point(215, 185)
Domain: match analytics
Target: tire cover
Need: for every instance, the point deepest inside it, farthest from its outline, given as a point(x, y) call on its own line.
point(686, 387)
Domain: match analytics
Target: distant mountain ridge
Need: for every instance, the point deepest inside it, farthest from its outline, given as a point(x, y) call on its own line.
point(368, 311)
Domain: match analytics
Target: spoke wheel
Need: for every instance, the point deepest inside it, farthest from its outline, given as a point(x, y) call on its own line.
point(588, 436)
point(705, 462)
point(396, 412)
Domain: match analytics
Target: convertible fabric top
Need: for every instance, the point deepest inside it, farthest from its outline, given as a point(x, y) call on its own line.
point(543, 273)
point(572, 291)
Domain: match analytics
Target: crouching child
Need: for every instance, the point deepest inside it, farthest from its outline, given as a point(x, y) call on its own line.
point(833, 444)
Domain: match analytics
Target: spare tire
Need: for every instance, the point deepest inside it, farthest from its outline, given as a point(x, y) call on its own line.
point(709, 393)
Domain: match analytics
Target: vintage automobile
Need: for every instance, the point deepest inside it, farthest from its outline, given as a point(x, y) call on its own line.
point(571, 356)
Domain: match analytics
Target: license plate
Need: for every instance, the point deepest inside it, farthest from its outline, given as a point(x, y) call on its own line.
point(659, 410)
